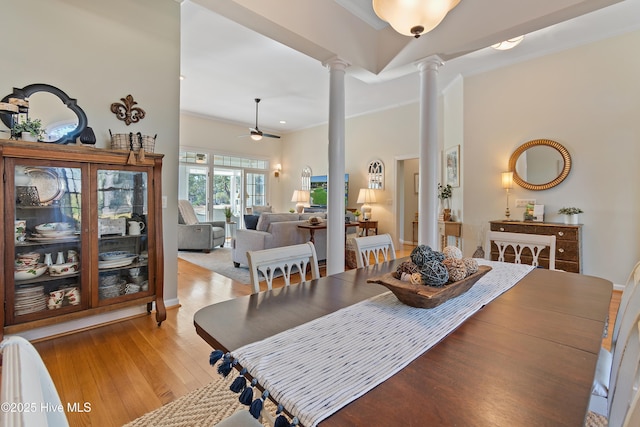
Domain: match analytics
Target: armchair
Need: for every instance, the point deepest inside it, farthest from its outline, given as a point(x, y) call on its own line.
point(196, 235)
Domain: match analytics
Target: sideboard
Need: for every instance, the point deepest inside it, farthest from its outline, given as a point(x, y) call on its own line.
point(568, 241)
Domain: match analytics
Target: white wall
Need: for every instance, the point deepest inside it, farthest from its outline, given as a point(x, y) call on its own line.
point(98, 52)
point(587, 99)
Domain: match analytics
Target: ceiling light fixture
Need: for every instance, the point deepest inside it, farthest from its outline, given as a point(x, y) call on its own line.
point(508, 44)
point(413, 18)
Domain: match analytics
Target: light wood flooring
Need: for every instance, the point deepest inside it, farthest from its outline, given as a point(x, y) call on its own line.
point(128, 368)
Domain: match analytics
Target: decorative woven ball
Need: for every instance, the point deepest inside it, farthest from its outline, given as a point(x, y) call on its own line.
point(434, 273)
point(452, 252)
point(407, 267)
point(438, 256)
point(416, 279)
point(471, 264)
point(456, 267)
point(423, 253)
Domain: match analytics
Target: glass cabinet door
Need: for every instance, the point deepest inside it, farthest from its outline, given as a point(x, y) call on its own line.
point(122, 209)
point(47, 241)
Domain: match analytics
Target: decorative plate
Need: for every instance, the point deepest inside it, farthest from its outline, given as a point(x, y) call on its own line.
point(47, 182)
point(110, 256)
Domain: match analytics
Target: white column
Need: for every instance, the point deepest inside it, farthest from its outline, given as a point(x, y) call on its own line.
point(429, 157)
point(335, 187)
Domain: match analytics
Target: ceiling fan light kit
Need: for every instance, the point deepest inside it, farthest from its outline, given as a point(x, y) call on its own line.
point(413, 18)
point(256, 134)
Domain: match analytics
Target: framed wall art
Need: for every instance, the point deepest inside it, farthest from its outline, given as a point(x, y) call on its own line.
point(452, 166)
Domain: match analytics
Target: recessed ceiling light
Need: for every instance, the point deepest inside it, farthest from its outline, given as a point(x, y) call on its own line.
point(508, 44)
point(283, 122)
point(181, 77)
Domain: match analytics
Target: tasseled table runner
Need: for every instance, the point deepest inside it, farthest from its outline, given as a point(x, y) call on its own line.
point(317, 368)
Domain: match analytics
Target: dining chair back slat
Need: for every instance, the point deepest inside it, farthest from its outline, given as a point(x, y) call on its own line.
point(285, 260)
point(374, 249)
point(624, 391)
point(519, 241)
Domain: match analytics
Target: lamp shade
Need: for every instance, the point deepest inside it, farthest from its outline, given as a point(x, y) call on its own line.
point(366, 195)
point(507, 180)
point(300, 196)
point(413, 17)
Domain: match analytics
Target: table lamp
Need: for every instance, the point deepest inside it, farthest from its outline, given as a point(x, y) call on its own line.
point(507, 184)
point(365, 197)
point(301, 197)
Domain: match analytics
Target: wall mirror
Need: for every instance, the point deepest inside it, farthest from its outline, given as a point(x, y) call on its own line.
point(540, 164)
point(54, 108)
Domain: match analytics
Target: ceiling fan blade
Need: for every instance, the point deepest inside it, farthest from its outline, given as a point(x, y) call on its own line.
point(268, 135)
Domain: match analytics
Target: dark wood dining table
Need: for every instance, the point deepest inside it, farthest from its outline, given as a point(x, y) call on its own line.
point(526, 359)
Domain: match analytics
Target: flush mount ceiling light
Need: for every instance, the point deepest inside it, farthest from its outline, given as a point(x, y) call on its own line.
point(413, 17)
point(508, 44)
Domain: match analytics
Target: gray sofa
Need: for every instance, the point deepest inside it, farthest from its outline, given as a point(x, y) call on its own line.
point(275, 230)
point(196, 235)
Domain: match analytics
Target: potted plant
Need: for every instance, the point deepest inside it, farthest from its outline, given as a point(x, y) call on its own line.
point(228, 213)
point(357, 215)
point(29, 130)
point(444, 194)
point(571, 215)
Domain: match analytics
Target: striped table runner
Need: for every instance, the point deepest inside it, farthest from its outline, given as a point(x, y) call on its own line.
point(315, 369)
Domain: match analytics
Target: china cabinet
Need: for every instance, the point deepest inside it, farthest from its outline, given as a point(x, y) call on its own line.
point(83, 233)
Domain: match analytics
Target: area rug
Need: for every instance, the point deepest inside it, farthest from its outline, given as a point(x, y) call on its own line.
point(218, 260)
point(205, 406)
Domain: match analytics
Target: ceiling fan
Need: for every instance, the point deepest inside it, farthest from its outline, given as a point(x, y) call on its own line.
point(256, 133)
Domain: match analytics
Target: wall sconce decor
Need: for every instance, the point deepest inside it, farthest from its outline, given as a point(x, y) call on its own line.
point(365, 197)
point(301, 197)
point(507, 184)
point(376, 175)
point(126, 111)
point(277, 171)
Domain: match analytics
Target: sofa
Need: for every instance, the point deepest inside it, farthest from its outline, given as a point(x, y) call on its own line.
point(196, 235)
point(274, 230)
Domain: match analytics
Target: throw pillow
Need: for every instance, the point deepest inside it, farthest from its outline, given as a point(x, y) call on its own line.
point(251, 221)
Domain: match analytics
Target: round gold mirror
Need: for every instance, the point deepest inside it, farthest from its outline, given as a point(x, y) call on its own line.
point(540, 164)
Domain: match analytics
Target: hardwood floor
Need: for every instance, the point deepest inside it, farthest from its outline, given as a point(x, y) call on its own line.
point(126, 369)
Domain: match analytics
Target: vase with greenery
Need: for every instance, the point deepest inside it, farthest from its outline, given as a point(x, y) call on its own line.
point(571, 215)
point(357, 214)
point(228, 213)
point(444, 194)
point(30, 127)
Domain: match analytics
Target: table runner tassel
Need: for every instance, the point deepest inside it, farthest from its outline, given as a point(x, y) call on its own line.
point(256, 405)
point(226, 366)
point(281, 420)
point(246, 397)
point(215, 356)
point(240, 382)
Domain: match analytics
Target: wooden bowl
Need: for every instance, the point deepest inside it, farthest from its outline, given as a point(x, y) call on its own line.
point(422, 296)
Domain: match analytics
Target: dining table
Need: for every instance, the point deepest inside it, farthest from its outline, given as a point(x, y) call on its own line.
point(526, 358)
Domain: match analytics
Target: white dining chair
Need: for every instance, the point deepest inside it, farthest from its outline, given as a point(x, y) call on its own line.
point(374, 249)
point(243, 418)
point(624, 390)
point(285, 260)
point(601, 400)
point(26, 381)
point(600, 387)
point(519, 242)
